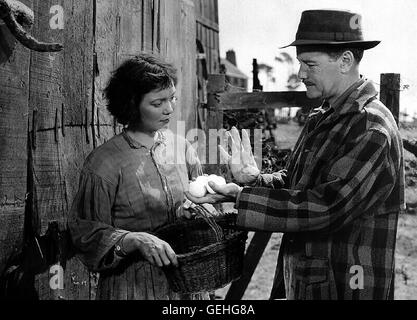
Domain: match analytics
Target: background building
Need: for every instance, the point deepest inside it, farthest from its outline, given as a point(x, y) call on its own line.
point(233, 75)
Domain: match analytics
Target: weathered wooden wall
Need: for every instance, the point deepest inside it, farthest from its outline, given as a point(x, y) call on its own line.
point(14, 100)
point(208, 32)
point(207, 36)
point(57, 99)
point(166, 28)
point(60, 109)
point(179, 48)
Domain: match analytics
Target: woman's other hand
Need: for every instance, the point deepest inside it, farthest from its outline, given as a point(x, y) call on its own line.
point(153, 249)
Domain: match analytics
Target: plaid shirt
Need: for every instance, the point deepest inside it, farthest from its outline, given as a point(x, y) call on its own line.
point(339, 209)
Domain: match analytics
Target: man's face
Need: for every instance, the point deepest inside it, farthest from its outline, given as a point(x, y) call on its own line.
point(320, 73)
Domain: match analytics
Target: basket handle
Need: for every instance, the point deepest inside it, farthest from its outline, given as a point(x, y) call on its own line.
point(209, 218)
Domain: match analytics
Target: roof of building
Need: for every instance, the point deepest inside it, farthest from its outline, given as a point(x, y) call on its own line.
point(232, 70)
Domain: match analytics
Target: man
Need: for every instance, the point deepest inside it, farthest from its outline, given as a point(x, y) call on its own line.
point(344, 188)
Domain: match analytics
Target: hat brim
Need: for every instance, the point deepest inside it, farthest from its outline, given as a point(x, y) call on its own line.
point(360, 44)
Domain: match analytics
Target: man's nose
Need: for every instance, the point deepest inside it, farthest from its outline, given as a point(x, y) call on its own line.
point(302, 74)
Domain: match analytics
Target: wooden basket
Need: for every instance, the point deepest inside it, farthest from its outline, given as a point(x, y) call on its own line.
point(209, 250)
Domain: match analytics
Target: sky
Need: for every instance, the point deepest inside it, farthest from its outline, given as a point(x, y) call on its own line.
point(257, 28)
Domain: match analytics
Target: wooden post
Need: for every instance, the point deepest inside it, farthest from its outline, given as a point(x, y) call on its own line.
point(390, 93)
point(390, 97)
point(253, 255)
point(256, 83)
point(214, 122)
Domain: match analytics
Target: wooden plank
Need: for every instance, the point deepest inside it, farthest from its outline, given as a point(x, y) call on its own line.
point(198, 8)
point(147, 28)
point(180, 35)
point(210, 48)
point(216, 53)
point(209, 24)
point(11, 232)
point(132, 22)
point(214, 121)
point(71, 153)
point(14, 83)
point(50, 183)
point(172, 37)
point(76, 62)
point(61, 80)
point(108, 51)
point(61, 87)
point(71, 160)
point(211, 10)
point(207, 48)
point(162, 27)
point(252, 256)
point(202, 38)
point(390, 93)
point(156, 36)
point(203, 43)
point(265, 100)
point(200, 32)
point(14, 92)
point(206, 9)
point(216, 11)
point(188, 64)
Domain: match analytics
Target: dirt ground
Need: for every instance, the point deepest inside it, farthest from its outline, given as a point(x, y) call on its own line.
point(406, 249)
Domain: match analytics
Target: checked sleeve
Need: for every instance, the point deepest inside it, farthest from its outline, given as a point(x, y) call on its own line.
point(352, 184)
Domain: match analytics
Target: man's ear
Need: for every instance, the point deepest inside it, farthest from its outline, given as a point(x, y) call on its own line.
point(347, 61)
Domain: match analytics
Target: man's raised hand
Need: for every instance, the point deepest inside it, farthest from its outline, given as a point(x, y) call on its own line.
point(242, 164)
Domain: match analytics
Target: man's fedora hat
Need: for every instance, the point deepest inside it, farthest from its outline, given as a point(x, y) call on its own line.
point(331, 27)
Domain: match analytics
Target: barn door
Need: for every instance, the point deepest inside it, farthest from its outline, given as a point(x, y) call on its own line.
point(55, 101)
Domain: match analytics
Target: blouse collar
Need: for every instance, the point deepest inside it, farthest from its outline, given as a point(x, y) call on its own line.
point(137, 144)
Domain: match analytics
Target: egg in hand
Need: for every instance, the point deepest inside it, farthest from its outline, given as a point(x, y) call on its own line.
point(217, 180)
point(200, 187)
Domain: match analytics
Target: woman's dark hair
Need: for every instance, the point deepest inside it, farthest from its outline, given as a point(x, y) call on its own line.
point(133, 79)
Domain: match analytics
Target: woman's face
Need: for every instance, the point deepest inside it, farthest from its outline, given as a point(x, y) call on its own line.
point(156, 109)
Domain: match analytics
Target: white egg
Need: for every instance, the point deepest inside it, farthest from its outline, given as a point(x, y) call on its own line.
point(217, 180)
point(202, 179)
point(197, 189)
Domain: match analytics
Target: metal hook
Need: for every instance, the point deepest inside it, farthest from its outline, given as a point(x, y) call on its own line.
point(9, 10)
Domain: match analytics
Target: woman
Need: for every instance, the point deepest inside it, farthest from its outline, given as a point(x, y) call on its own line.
point(128, 188)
